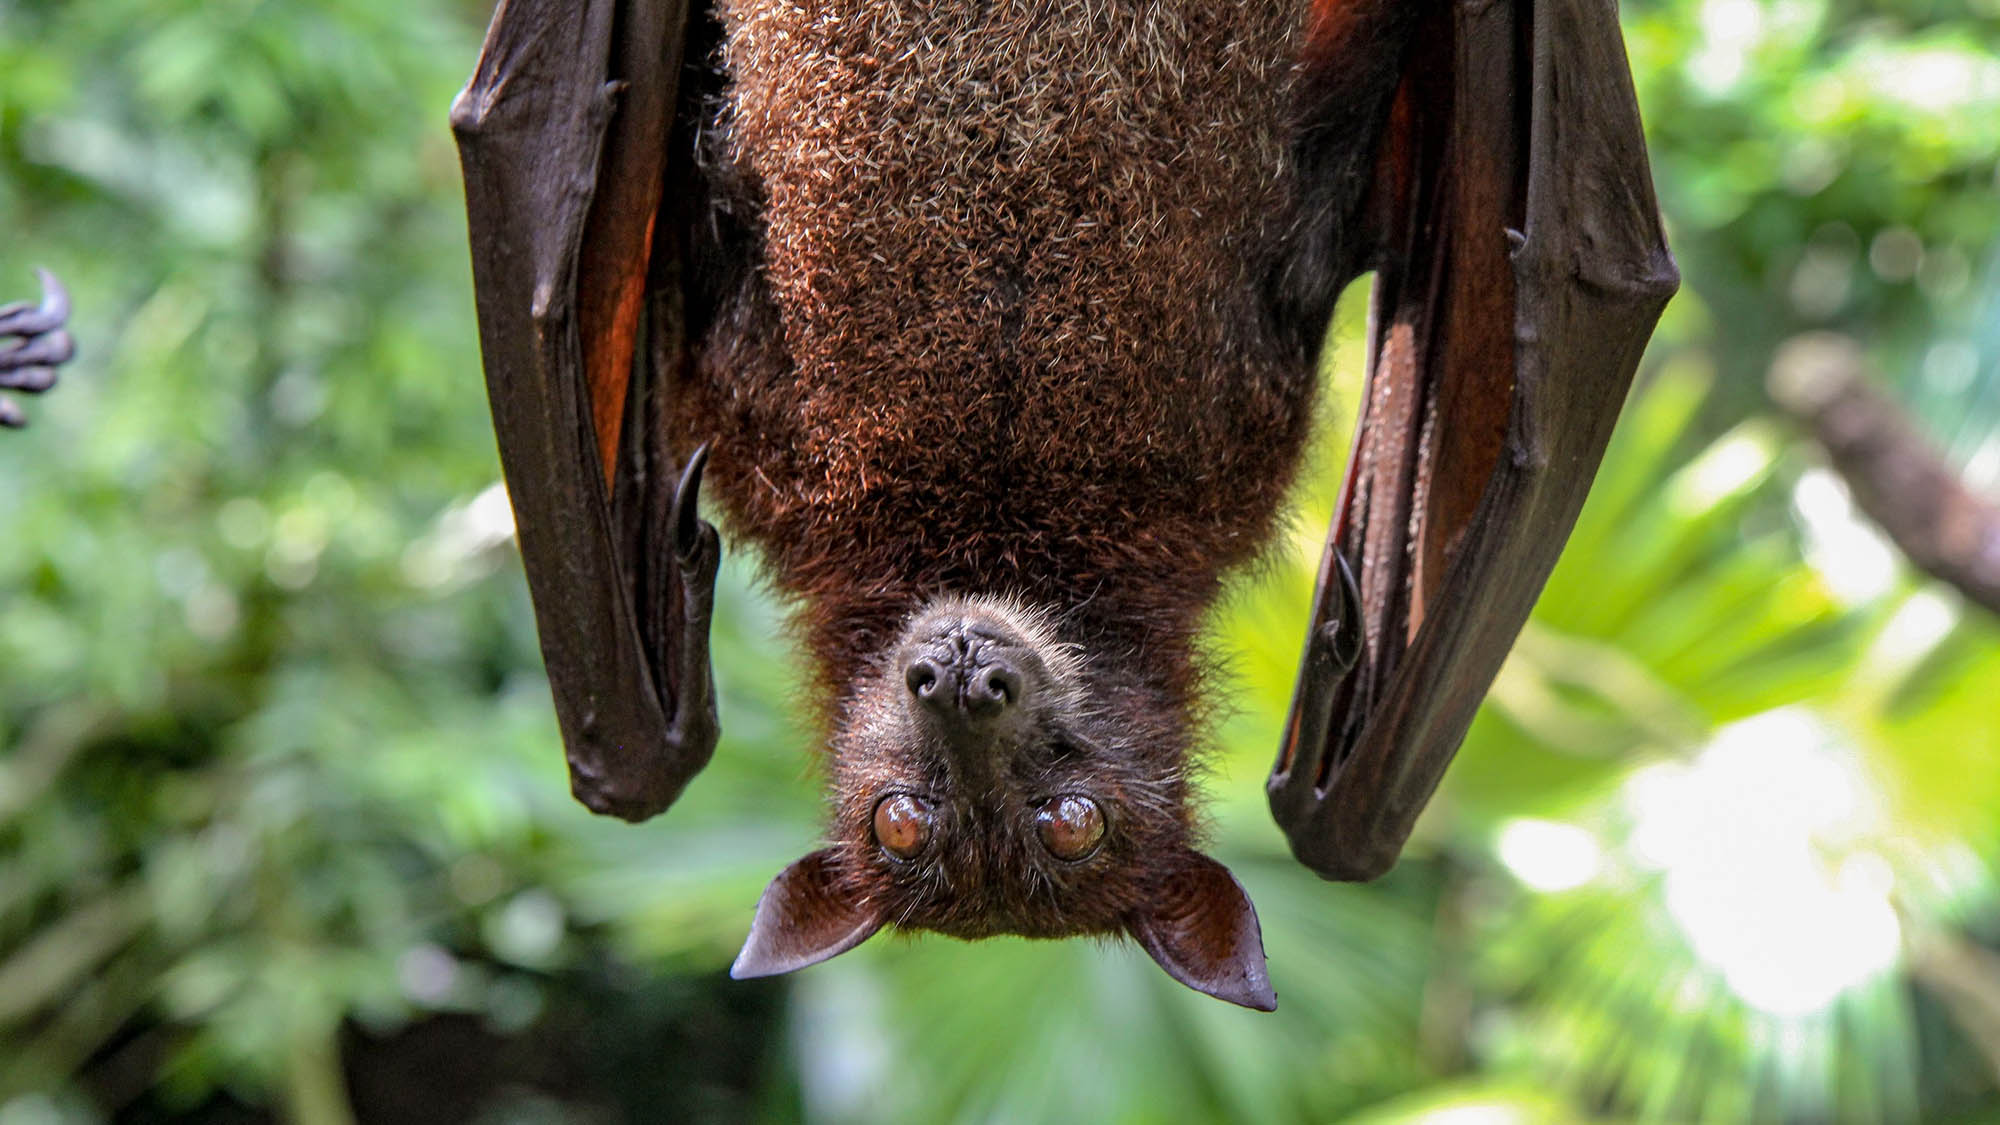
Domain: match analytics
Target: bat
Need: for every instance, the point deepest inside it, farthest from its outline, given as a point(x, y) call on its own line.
point(995, 326)
point(40, 345)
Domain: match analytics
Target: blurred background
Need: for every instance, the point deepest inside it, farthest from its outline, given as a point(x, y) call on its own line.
point(284, 829)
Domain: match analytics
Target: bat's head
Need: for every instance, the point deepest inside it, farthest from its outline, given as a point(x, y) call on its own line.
point(990, 779)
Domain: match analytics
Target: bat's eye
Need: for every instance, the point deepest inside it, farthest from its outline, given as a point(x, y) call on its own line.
point(903, 825)
point(1070, 827)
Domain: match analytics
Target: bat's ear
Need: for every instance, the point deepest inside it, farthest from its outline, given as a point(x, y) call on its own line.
point(1203, 931)
point(805, 917)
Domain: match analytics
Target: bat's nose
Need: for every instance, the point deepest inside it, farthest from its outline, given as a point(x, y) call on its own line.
point(964, 693)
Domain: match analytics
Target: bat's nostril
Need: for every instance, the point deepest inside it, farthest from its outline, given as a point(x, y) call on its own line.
point(922, 676)
point(962, 695)
point(993, 689)
point(1004, 684)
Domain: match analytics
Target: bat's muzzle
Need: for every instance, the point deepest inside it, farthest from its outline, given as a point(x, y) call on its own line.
point(963, 690)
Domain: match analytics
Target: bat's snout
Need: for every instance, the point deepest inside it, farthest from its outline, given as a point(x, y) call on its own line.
point(964, 690)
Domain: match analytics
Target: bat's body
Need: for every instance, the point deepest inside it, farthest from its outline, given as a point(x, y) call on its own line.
point(1000, 319)
point(1010, 331)
point(1007, 343)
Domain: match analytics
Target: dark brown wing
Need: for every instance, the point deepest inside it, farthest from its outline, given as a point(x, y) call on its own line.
point(1521, 268)
point(563, 135)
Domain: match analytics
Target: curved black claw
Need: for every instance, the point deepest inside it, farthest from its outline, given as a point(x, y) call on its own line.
point(1341, 636)
point(639, 776)
point(29, 365)
point(694, 727)
point(1312, 750)
point(686, 518)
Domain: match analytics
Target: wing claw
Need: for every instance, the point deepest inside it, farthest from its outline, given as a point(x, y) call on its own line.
point(687, 524)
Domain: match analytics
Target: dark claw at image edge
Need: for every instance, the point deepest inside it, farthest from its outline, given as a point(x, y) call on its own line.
point(29, 365)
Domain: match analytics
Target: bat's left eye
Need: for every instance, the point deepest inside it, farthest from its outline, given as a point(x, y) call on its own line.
point(1070, 827)
point(903, 825)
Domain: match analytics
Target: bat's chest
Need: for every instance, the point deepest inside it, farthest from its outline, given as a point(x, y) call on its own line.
point(1012, 251)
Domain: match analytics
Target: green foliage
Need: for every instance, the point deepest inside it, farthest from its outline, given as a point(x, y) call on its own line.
point(281, 804)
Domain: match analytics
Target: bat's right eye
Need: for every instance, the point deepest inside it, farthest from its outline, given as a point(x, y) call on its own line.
point(1071, 827)
point(903, 825)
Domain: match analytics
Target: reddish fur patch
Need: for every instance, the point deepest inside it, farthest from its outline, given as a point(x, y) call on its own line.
point(1008, 335)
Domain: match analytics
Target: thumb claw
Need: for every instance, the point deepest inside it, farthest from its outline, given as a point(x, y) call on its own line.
point(1342, 636)
point(686, 517)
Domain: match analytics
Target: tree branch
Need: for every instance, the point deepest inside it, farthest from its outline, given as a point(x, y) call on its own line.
point(1897, 479)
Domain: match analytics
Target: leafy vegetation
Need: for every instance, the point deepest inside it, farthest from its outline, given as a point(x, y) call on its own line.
point(283, 825)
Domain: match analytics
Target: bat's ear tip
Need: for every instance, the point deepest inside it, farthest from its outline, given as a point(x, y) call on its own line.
point(804, 917)
point(1203, 931)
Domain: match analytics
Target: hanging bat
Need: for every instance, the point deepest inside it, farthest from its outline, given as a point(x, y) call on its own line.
point(995, 324)
point(40, 345)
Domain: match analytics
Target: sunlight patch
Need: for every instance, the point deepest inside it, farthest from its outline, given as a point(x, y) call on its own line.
point(1856, 561)
point(1550, 856)
point(1759, 839)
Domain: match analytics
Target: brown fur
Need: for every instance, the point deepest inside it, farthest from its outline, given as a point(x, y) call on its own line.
point(1009, 335)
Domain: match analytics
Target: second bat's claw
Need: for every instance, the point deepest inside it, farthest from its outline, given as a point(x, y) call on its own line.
point(47, 351)
point(24, 319)
point(30, 364)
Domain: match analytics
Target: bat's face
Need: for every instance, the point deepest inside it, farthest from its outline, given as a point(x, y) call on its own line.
point(987, 783)
point(991, 779)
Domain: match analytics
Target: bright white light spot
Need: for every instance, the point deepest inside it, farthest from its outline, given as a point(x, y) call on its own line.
point(1947, 81)
point(1918, 626)
point(450, 552)
point(1549, 856)
point(1982, 472)
point(490, 516)
point(1865, 873)
point(1855, 560)
point(1743, 834)
point(1733, 463)
point(1730, 31)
